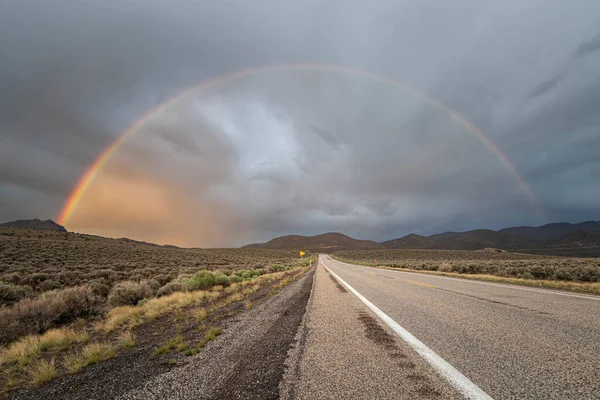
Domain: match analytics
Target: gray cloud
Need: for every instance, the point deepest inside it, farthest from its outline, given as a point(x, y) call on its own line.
point(544, 86)
point(298, 151)
point(588, 47)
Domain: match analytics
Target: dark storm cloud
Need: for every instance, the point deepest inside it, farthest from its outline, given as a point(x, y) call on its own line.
point(588, 47)
point(544, 86)
point(300, 152)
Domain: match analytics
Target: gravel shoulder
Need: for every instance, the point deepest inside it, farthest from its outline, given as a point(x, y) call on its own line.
point(345, 352)
point(246, 361)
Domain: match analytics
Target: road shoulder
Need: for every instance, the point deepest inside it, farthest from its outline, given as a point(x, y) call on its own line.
point(246, 361)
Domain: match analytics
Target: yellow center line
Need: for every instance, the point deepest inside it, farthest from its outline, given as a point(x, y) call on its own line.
point(422, 284)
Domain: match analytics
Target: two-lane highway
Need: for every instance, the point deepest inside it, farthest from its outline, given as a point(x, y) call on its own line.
point(512, 342)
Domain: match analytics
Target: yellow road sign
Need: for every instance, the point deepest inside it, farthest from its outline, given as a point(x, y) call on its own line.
point(302, 253)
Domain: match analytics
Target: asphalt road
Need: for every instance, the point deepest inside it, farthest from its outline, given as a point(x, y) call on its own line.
point(342, 351)
point(511, 342)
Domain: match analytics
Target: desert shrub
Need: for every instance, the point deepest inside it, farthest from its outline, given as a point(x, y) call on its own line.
point(163, 279)
point(503, 264)
point(235, 279)
point(99, 287)
point(250, 274)
point(49, 310)
point(171, 287)
point(14, 277)
point(78, 301)
point(202, 280)
point(276, 268)
point(103, 273)
point(445, 267)
point(527, 275)
point(35, 279)
point(222, 280)
point(137, 278)
point(587, 274)
point(154, 285)
point(67, 277)
point(47, 285)
point(10, 294)
point(539, 272)
point(563, 274)
point(128, 293)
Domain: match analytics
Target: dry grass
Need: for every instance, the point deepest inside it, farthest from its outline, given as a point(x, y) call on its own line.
point(43, 371)
point(212, 334)
point(62, 338)
point(25, 350)
point(153, 308)
point(250, 289)
point(91, 354)
point(96, 352)
point(236, 297)
point(9, 378)
point(132, 316)
point(200, 314)
point(73, 363)
point(234, 287)
point(126, 339)
point(120, 316)
point(177, 342)
point(21, 352)
point(284, 282)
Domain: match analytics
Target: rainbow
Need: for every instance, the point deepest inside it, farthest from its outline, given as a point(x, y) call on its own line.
point(89, 175)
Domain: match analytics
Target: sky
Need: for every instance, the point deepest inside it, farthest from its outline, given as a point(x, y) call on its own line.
point(373, 129)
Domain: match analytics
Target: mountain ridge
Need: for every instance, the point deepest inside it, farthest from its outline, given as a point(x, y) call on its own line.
point(36, 224)
point(563, 235)
point(330, 241)
point(560, 238)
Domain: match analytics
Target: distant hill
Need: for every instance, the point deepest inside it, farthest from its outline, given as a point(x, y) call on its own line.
point(410, 241)
point(574, 239)
point(552, 231)
point(326, 242)
point(571, 239)
point(470, 240)
point(559, 238)
point(47, 225)
point(127, 240)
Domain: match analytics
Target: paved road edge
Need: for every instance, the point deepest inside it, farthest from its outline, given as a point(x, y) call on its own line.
point(460, 382)
point(288, 384)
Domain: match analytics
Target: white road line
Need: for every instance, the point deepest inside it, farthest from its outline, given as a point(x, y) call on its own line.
point(506, 286)
point(451, 374)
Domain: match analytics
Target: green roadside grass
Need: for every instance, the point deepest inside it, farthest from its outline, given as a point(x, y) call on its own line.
point(578, 287)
